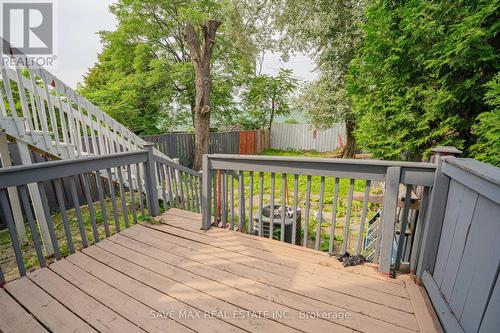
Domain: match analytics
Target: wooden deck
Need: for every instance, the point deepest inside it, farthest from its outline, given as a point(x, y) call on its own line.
point(173, 277)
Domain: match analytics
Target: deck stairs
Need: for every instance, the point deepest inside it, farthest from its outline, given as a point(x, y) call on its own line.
point(40, 113)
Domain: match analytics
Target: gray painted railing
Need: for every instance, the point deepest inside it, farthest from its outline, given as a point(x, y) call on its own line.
point(128, 187)
point(222, 172)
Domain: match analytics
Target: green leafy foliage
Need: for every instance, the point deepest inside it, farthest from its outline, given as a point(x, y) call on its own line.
point(487, 128)
point(269, 96)
point(145, 78)
point(419, 79)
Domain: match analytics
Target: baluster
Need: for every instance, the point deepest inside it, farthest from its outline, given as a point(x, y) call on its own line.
point(348, 217)
point(174, 178)
point(84, 128)
point(308, 206)
point(168, 175)
point(88, 196)
point(320, 214)
point(184, 176)
point(215, 197)
point(5, 207)
point(331, 249)
point(61, 116)
point(241, 193)
point(224, 198)
point(8, 93)
point(363, 217)
point(50, 222)
point(2, 103)
point(123, 196)
point(102, 203)
point(40, 104)
point(261, 203)
point(76, 204)
point(271, 211)
point(111, 185)
point(51, 109)
point(64, 216)
point(283, 206)
point(403, 225)
point(24, 103)
point(159, 168)
point(139, 187)
point(32, 225)
point(194, 193)
point(132, 195)
point(250, 205)
point(232, 200)
point(295, 207)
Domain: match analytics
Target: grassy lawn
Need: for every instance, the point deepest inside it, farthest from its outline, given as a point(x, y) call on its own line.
point(298, 153)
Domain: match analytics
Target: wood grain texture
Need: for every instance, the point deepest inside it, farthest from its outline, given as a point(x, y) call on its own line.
point(13, 318)
point(116, 285)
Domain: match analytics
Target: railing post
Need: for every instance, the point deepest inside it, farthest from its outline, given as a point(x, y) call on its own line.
point(151, 186)
point(386, 230)
point(435, 212)
point(206, 193)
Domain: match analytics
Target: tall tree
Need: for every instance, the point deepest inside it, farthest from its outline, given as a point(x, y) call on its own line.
point(269, 96)
point(419, 80)
point(202, 46)
point(331, 31)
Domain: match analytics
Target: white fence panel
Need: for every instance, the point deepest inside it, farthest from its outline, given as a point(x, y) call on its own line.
point(304, 137)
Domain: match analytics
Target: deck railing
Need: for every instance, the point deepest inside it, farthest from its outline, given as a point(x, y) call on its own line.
point(120, 190)
point(399, 189)
point(178, 186)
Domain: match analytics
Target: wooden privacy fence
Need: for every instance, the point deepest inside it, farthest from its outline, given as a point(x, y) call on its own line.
point(181, 145)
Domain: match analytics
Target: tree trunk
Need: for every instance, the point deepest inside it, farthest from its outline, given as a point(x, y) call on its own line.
point(201, 57)
point(272, 115)
point(350, 146)
point(202, 115)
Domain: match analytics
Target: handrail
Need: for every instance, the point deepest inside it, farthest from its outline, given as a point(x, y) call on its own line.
point(413, 176)
point(414, 173)
point(38, 172)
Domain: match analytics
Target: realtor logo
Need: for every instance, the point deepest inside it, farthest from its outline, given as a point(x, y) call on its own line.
point(28, 27)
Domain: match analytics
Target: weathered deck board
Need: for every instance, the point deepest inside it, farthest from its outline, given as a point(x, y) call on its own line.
point(238, 276)
point(148, 278)
point(282, 277)
point(99, 316)
point(13, 318)
point(108, 294)
point(46, 309)
point(270, 258)
point(190, 221)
